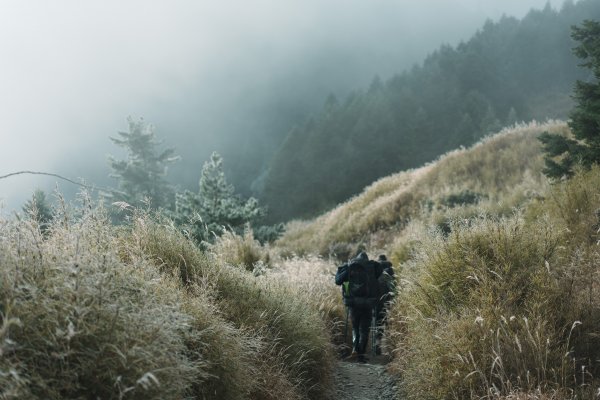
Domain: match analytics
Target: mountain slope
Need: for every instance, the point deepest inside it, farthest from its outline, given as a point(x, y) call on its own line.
point(497, 271)
point(502, 172)
point(511, 70)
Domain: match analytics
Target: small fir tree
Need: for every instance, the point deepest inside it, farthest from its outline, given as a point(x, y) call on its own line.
point(215, 191)
point(142, 175)
point(564, 153)
point(215, 207)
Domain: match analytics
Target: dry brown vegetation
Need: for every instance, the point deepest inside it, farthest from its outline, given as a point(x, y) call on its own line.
point(96, 311)
point(499, 271)
point(501, 171)
point(506, 305)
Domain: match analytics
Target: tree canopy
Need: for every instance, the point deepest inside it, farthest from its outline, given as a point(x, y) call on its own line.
point(141, 176)
point(510, 70)
point(215, 207)
point(563, 153)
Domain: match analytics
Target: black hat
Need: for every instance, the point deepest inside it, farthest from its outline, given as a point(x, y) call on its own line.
point(382, 257)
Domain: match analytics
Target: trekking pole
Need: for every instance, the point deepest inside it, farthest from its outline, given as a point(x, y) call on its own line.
point(374, 331)
point(346, 327)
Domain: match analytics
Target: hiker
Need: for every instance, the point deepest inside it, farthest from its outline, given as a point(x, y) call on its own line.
point(387, 287)
point(360, 289)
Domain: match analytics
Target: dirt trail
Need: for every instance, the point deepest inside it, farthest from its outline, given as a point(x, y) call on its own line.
point(370, 381)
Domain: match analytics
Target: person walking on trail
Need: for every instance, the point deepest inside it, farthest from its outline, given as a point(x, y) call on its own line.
point(387, 288)
point(360, 289)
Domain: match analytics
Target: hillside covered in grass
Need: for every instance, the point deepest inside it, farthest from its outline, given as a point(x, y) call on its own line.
point(497, 174)
point(497, 292)
point(93, 310)
point(498, 270)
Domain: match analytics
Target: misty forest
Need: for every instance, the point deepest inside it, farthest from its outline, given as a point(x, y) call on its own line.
point(322, 200)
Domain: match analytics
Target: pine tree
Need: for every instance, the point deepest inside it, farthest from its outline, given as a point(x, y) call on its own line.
point(215, 191)
point(215, 207)
point(142, 175)
point(564, 153)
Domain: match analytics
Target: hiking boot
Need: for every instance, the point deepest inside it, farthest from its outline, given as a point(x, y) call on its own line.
point(362, 359)
point(352, 356)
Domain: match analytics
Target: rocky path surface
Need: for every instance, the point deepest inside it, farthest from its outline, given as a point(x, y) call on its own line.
point(370, 381)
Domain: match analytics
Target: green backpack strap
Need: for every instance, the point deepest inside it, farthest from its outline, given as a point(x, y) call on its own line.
point(346, 288)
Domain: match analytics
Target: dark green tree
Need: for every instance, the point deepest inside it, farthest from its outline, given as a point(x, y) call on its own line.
point(564, 153)
point(215, 207)
point(510, 70)
point(142, 175)
point(38, 208)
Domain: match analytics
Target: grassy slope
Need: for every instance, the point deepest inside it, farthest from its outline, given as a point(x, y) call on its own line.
point(506, 168)
point(505, 306)
point(494, 302)
point(498, 294)
point(96, 311)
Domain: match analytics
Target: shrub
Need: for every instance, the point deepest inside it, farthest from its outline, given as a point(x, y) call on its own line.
point(132, 312)
point(290, 342)
point(241, 251)
point(269, 233)
point(505, 307)
point(473, 312)
point(77, 322)
point(461, 198)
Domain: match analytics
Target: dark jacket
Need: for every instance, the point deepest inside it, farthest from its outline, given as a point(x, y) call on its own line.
point(341, 275)
point(387, 267)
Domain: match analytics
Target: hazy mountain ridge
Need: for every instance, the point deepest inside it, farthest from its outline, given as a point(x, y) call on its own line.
point(511, 70)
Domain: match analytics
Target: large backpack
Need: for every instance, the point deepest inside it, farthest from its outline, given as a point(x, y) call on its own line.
point(362, 288)
point(387, 287)
point(387, 282)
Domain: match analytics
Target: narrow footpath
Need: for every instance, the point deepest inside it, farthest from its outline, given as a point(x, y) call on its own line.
point(370, 381)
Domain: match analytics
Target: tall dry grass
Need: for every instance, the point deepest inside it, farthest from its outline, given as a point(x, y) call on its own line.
point(498, 271)
point(291, 340)
point(77, 322)
point(96, 311)
point(311, 279)
point(504, 168)
point(505, 307)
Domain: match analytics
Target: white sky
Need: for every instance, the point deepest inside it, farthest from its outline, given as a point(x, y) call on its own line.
point(71, 71)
